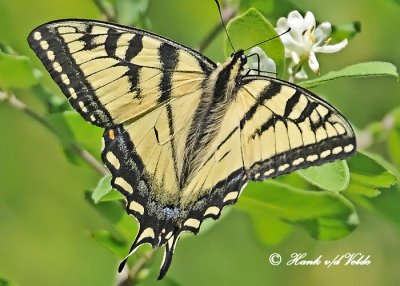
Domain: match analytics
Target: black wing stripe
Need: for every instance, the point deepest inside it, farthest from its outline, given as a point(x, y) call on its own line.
point(307, 111)
point(111, 42)
point(266, 125)
point(134, 78)
point(169, 59)
point(87, 38)
point(292, 103)
point(268, 92)
point(134, 48)
point(169, 56)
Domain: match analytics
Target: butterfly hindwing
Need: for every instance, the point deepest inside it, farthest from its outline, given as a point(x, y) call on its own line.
point(142, 169)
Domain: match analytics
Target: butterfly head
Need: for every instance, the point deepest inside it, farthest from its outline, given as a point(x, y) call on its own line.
point(239, 57)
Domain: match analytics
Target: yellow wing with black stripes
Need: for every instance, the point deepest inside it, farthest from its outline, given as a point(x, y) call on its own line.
point(112, 74)
point(182, 135)
point(285, 128)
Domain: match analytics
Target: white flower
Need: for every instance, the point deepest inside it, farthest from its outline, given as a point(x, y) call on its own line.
point(262, 63)
point(305, 40)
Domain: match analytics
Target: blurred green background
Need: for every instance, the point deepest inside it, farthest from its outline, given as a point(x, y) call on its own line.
point(45, 222)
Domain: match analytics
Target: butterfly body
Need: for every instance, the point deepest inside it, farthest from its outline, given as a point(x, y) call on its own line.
point(182, 135)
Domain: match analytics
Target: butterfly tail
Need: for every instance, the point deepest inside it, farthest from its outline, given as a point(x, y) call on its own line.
point(145, 235)
point(168, 253)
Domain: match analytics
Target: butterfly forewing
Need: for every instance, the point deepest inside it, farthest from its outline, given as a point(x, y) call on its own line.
point(112, 74)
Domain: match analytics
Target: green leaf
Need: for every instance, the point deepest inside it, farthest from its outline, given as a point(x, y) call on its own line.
point(345, 31)
point(53, 103)
point(332, 176)
point(360, 189)
point(394, 145)
point(128, 12)
point(271, 230)
point(250, 28)
point(367, 176)
point(72, 129)
point(324, 214)
point(294, 180)
point(369, 69)
point(389, 166)
point(368, 172)
point(73, 157)
point(152, 275)
point(86, 134)
point(17, 71)
point(387, 205)
point(103, 188)
point(110, 242)
point(59, 123)
point(264, 6)
point(209, 223)
point(392, 122)
point(104, 191)
point(114, 212)
point(5, 282)
point(113, 195)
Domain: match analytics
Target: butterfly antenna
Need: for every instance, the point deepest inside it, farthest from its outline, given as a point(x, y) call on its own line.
point(281, 34)
point(223, 24)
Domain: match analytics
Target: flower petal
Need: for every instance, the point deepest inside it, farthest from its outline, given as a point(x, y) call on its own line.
point(301, 74)
point(309, 21)
point(282, 24)
point(296, 23)
point(295, 57)
point(304, 40)
point(269, 66)
point(313, 62)
point(295, 19)
point(322, 32)
point(291, 45)
point(331, 48)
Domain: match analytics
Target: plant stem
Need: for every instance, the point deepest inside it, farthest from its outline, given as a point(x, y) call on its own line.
point(14, 102)
point(227, 14)
point(106, 9)
point(88, 158)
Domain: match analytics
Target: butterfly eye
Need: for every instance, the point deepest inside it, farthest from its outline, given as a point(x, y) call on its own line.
point(244, 59)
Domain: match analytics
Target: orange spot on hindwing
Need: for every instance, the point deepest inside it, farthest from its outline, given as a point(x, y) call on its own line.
point(111, 134)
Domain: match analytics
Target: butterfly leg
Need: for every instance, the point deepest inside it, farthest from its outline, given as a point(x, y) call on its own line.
point(258, 70)
point(258, 63)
